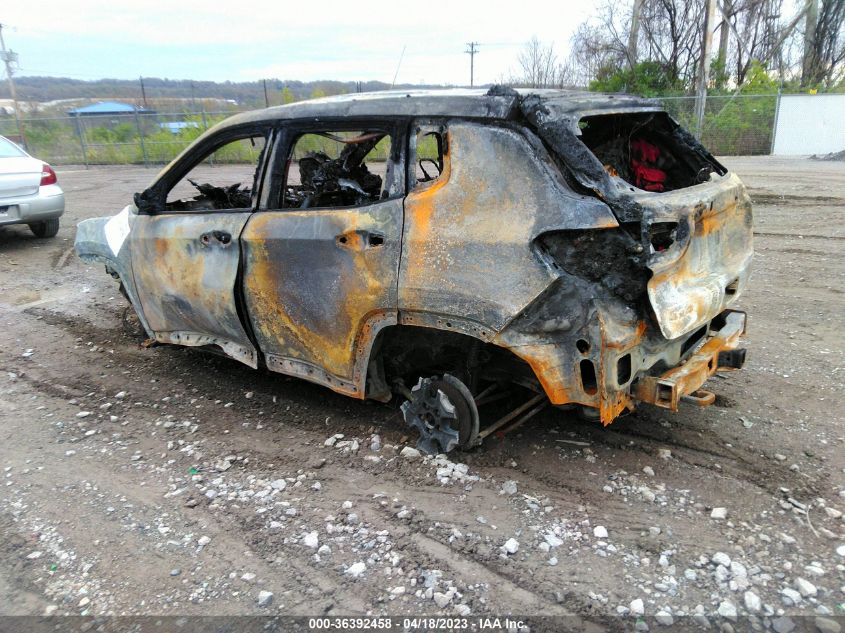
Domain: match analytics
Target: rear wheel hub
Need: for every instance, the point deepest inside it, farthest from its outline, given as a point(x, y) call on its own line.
point(443, 411)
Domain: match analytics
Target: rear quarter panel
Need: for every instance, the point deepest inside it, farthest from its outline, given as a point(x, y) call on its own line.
point(468, 243)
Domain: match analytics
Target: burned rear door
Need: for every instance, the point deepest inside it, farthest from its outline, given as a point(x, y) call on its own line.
point(186, 245)
point(320, 267)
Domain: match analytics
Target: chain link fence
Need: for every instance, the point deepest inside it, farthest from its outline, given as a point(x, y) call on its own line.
point(734, 125)
point(739, 125)
point(140, 138)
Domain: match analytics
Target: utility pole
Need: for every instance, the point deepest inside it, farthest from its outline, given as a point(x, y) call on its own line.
point(266, 99)
point(724, 41)
point(633, 35)
point(143, 92)
point(473, 49)
point(809, 62)
point(704, 74)
point(11, 57)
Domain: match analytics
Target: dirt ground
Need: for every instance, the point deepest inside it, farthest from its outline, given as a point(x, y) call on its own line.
point(165, 481)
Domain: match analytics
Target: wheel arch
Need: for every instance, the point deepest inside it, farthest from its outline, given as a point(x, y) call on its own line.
point(440, 344)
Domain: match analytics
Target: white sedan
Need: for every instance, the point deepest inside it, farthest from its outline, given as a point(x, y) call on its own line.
point(29, 193)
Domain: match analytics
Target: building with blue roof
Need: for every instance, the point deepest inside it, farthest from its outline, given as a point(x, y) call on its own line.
point(108, 108)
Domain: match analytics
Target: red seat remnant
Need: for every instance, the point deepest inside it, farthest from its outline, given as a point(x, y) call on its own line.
point(644, 156)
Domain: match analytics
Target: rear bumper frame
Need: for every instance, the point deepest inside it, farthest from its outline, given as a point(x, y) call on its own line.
point(667, 391)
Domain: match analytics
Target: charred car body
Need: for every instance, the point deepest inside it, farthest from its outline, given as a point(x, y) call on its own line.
point(443, 245)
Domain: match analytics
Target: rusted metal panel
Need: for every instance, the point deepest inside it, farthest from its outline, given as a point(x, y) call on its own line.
point(467, 248)
point(185, 268)
point(667, 390)
point(319, 284)
point(698, 277)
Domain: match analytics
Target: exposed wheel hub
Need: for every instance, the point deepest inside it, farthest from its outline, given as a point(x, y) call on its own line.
point(443, 411)
point(433, 414)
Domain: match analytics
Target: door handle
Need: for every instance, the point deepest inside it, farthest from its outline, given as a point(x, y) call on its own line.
point(359, 240)
point(222, 237)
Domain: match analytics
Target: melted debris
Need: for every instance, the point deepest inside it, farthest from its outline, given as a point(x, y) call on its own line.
point(344, 181)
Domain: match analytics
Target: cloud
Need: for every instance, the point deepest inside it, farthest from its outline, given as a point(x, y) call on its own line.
point(251, 40)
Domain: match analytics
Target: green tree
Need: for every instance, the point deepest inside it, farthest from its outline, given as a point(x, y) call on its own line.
point(646, 79)
point(287, 95)
point(758, 81)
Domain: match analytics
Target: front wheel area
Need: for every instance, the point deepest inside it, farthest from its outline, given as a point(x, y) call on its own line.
point(45, 228)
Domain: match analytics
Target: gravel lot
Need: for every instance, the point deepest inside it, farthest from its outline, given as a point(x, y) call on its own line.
point(138, 481)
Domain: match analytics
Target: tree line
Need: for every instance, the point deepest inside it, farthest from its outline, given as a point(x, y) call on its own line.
point(157, 90)
point(655, 47)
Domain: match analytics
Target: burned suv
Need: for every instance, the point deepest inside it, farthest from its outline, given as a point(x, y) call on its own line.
point(451, 247)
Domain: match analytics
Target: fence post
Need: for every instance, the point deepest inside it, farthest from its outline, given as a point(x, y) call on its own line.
point(775, 126)
point(205, 129)
point(81, 140)
point(141, 137)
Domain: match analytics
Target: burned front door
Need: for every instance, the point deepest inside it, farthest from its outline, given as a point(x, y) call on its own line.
point(320, 272)
point(186, 251)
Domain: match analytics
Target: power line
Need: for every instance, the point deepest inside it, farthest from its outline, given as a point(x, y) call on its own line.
point(473, 49)
point(398, 66)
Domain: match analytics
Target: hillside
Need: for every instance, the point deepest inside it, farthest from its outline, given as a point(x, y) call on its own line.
point(46, 89)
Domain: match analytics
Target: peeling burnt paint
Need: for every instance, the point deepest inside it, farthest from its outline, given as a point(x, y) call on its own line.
point(468, 244)
point(319, 285)
point(185, 274)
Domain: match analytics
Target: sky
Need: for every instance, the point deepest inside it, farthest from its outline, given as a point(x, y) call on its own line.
point(247, 40)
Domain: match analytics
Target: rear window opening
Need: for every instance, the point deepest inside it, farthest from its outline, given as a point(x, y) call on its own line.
point(647, 150)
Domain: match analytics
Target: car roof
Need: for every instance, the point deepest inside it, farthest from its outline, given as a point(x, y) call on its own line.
point(494, 103)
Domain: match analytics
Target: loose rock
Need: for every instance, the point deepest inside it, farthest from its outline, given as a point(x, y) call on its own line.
point(752, 602)
point(805, 587)
point(410, 453)
point(265, 598)
point(727, 610)
point(637, 607)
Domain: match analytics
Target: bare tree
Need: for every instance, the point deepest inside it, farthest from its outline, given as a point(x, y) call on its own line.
point(669, 33)
point(759, 32)
point(538, 63)
point(672, 30)
point(824, 61)
point(567, 75)
point(602, 42)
